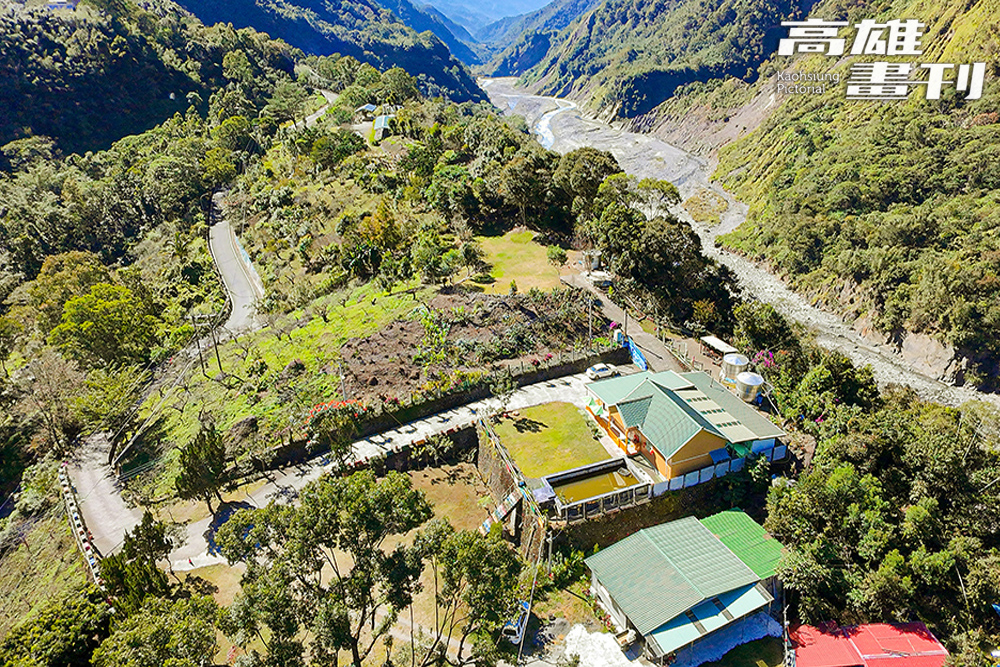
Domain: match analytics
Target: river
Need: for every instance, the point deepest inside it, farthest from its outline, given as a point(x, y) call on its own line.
point(561, 127)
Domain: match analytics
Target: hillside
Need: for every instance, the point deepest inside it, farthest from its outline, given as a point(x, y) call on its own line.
point(625, 57)
point(360, 28)
point(520, 42)
point(887, 212)
point(61, 72)
point(474, 16)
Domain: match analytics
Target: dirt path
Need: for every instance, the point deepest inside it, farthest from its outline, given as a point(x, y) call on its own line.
point(564, 128)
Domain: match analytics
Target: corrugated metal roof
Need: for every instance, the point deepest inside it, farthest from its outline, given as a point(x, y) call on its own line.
point(874, 645)
point(660, 572)
point(760, 427)
point(709, 617)
point(747, 539)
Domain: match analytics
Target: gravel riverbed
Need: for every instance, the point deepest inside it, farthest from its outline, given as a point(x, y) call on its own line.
point(561, 127)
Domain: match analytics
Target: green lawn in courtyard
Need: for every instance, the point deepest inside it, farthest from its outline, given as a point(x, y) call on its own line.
point(516, 256)
point(546, 439)
point(766, 652)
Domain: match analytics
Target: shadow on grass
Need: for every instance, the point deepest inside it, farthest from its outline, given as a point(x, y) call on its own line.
point(524, 424)
point(222, 515)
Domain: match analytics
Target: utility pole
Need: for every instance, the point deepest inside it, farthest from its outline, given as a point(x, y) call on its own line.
point(215, 341)
point(590, 321)
point(198, 343)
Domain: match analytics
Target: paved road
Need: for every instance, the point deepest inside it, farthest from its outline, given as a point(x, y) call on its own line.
point(104, 511)
point(656, 353)
point(285, 485)
point(241, 280)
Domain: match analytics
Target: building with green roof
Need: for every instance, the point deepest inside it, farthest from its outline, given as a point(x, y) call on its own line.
point(679, 583)
point(679, 422)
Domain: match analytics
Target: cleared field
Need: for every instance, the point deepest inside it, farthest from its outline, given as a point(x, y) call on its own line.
point(546, 439)
point(516, 256)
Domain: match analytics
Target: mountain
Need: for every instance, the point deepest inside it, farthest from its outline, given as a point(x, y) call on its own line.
point(62, 72)
point(520, 42)
point(476, 15)
point(887, 212)
point(627, 56)
point(421, 20)
point(363, 29)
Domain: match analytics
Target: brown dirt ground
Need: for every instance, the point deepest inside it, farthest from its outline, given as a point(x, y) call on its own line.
point(382, 365)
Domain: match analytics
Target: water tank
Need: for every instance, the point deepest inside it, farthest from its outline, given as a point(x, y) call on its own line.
point(733, 364)
point(748, 386)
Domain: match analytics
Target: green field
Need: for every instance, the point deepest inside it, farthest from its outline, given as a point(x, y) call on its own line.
point(546, 439)
point(766, 652)
point(516, 256)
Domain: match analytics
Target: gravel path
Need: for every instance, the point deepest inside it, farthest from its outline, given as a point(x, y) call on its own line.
point(562, 127)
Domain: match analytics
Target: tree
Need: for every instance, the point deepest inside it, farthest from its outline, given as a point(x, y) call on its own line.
point(203, 466)
point(63, 277)
point(108, 326)
point(335, 430)
point(472, 255)
point(131, 580)
point(48, 387)
point(475, 588)
point(147, 540)
point(10, 331)
point(656, 195)
point(331, 149)
point(523, 180)
point(581, 172)
point(64, 634)
point(287, 102)
point(298, 577)
point(178, 633)
point(555, 255)
point(108, 402)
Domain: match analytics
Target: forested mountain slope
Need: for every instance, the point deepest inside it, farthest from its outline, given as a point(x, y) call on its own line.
point(887, 211)
point(627, 56)
point(61, 72)
point(363, 29)
point(520, 42)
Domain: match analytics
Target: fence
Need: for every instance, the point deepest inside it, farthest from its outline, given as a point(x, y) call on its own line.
point(603, 503)
point(716, 471)
point(79, 528)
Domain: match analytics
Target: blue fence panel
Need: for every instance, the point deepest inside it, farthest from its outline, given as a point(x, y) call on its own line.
point(676, 483)
point(722, 469)
point(780, 452)
point(638, 358)
point(691, 479)
point(707, 474)
point(736, 465)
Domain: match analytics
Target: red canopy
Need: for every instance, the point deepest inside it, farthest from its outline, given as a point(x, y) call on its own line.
point(875, 645)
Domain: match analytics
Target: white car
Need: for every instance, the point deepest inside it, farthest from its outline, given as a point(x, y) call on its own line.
point(601, 371)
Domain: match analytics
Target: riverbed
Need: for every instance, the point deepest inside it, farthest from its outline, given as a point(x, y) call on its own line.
point(560, 126)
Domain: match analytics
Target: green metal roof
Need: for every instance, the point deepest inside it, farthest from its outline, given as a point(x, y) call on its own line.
point(732, 606)
point(747, 539)
point(660, 572)
point(761, 427)
point(613, 390)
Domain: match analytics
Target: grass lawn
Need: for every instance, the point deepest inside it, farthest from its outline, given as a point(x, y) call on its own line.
point(545, 439)
point(45, 571)
point(766, 652)
point(515, 256)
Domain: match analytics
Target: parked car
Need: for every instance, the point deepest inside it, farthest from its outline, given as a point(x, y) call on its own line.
point(515, 627)
point(601, 371)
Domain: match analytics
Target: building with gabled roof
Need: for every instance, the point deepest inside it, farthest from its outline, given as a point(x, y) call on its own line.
point(679, 422)
point(677, 584)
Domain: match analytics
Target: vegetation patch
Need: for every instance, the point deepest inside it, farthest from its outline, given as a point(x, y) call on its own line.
point(706, 206)
point(546, 439)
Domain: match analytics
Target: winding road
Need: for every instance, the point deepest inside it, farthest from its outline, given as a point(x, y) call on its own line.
point(561, 127)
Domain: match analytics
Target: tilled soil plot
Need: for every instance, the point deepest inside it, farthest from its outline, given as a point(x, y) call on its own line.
point(482, 331)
